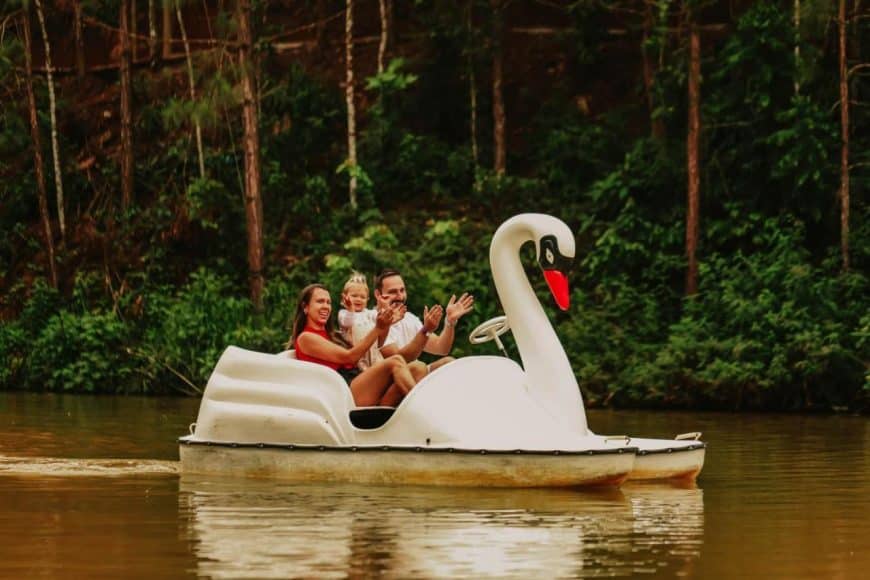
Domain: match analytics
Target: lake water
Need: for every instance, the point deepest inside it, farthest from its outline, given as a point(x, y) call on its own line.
point(88, 488)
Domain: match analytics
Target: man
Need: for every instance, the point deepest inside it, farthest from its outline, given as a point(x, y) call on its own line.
point(410, 336)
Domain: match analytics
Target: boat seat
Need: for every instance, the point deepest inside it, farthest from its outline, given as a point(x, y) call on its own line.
point(370, 417)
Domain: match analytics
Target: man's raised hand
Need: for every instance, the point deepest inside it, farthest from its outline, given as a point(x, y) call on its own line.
point(398, 312)
point(432, 317)
point(456, 309)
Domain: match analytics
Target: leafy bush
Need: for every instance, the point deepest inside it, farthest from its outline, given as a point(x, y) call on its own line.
point(767, 330)
point(13, 354)
point(186, 334)
point(84, 353)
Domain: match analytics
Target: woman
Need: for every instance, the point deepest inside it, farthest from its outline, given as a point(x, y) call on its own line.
point(315, 340)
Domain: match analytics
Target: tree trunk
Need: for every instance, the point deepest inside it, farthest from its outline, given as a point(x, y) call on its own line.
point(37, 149)
point(692, 148)
point(78, 37)
point(251, 146)
point(134, 31)
point(152, 33)
point(844, 139)
point(167, 29)
point(52, 106)
point(855, 44)
point(657, 126)
point(498, 114)
point(126, 108)
point(385, 9)
point(472, 90)
point(797, 45)
point(192, 81)
point(351, 110)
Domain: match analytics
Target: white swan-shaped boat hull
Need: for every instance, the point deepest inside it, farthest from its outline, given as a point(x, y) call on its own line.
point(471, 423)
point(478, 421)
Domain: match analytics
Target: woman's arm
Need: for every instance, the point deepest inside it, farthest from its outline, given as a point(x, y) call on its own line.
point(317, 346)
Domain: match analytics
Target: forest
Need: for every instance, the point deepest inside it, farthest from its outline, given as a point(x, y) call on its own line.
point(173, 172)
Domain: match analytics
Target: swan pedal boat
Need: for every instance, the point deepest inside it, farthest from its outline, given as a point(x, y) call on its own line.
point(482, 421)
point(253, 421)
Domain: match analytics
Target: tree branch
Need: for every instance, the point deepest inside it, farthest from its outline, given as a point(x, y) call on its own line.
point(857, 67)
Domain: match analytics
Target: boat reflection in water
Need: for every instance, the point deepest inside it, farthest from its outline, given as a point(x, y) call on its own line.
point(245, 528)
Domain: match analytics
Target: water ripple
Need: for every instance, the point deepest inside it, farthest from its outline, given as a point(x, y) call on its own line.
point(63, 467)
point(437, 533)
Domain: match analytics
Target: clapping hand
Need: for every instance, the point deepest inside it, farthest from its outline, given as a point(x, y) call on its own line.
point(398, 311)
point(385, 318)
point(432, 317)
point(456, 309)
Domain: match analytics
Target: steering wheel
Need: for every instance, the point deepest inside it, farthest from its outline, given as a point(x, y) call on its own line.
point(490, 330)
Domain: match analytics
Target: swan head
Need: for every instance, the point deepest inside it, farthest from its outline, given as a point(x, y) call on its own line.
point(555, 264)
point(554, 246)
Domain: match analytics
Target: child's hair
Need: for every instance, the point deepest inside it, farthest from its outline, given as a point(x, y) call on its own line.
point(356, 278)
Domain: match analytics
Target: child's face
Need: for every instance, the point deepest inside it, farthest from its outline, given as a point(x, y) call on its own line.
point(356, 297)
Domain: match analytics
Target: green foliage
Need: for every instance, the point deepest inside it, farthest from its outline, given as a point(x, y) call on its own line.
point(301, 122)
point(13, 353)
point(84, 353)
point(369, 252)
point(10, 53)
point(14, 134)
point(759, 57)
point(52, 348)
point(768, 329)
point(206, 200)
point(43, 303)
point(804, 149)
point(784, 144)
point(179, 112)
point(355, 171)
point(393, 79)
point(160, 341)
point(571, 151)
point(186, 333)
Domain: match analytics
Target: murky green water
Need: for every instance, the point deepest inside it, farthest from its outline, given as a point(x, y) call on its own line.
point(88, 488)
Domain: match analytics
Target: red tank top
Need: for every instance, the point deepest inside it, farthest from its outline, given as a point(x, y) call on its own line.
point(300, 355)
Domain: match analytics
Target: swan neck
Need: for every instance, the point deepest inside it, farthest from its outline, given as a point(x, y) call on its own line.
point(550, 376)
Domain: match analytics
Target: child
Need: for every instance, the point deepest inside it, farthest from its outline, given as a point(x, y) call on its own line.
point(355, 320)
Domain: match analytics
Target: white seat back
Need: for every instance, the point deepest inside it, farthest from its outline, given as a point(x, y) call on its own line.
point(254, 397)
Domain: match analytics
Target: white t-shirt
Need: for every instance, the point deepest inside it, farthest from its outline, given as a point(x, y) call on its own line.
point(405, 330)
point(354, 327)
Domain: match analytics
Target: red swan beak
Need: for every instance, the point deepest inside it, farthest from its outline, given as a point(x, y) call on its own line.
point(558, 283)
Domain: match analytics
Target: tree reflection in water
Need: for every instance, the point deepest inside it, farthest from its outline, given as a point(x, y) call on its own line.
point(244, 528)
